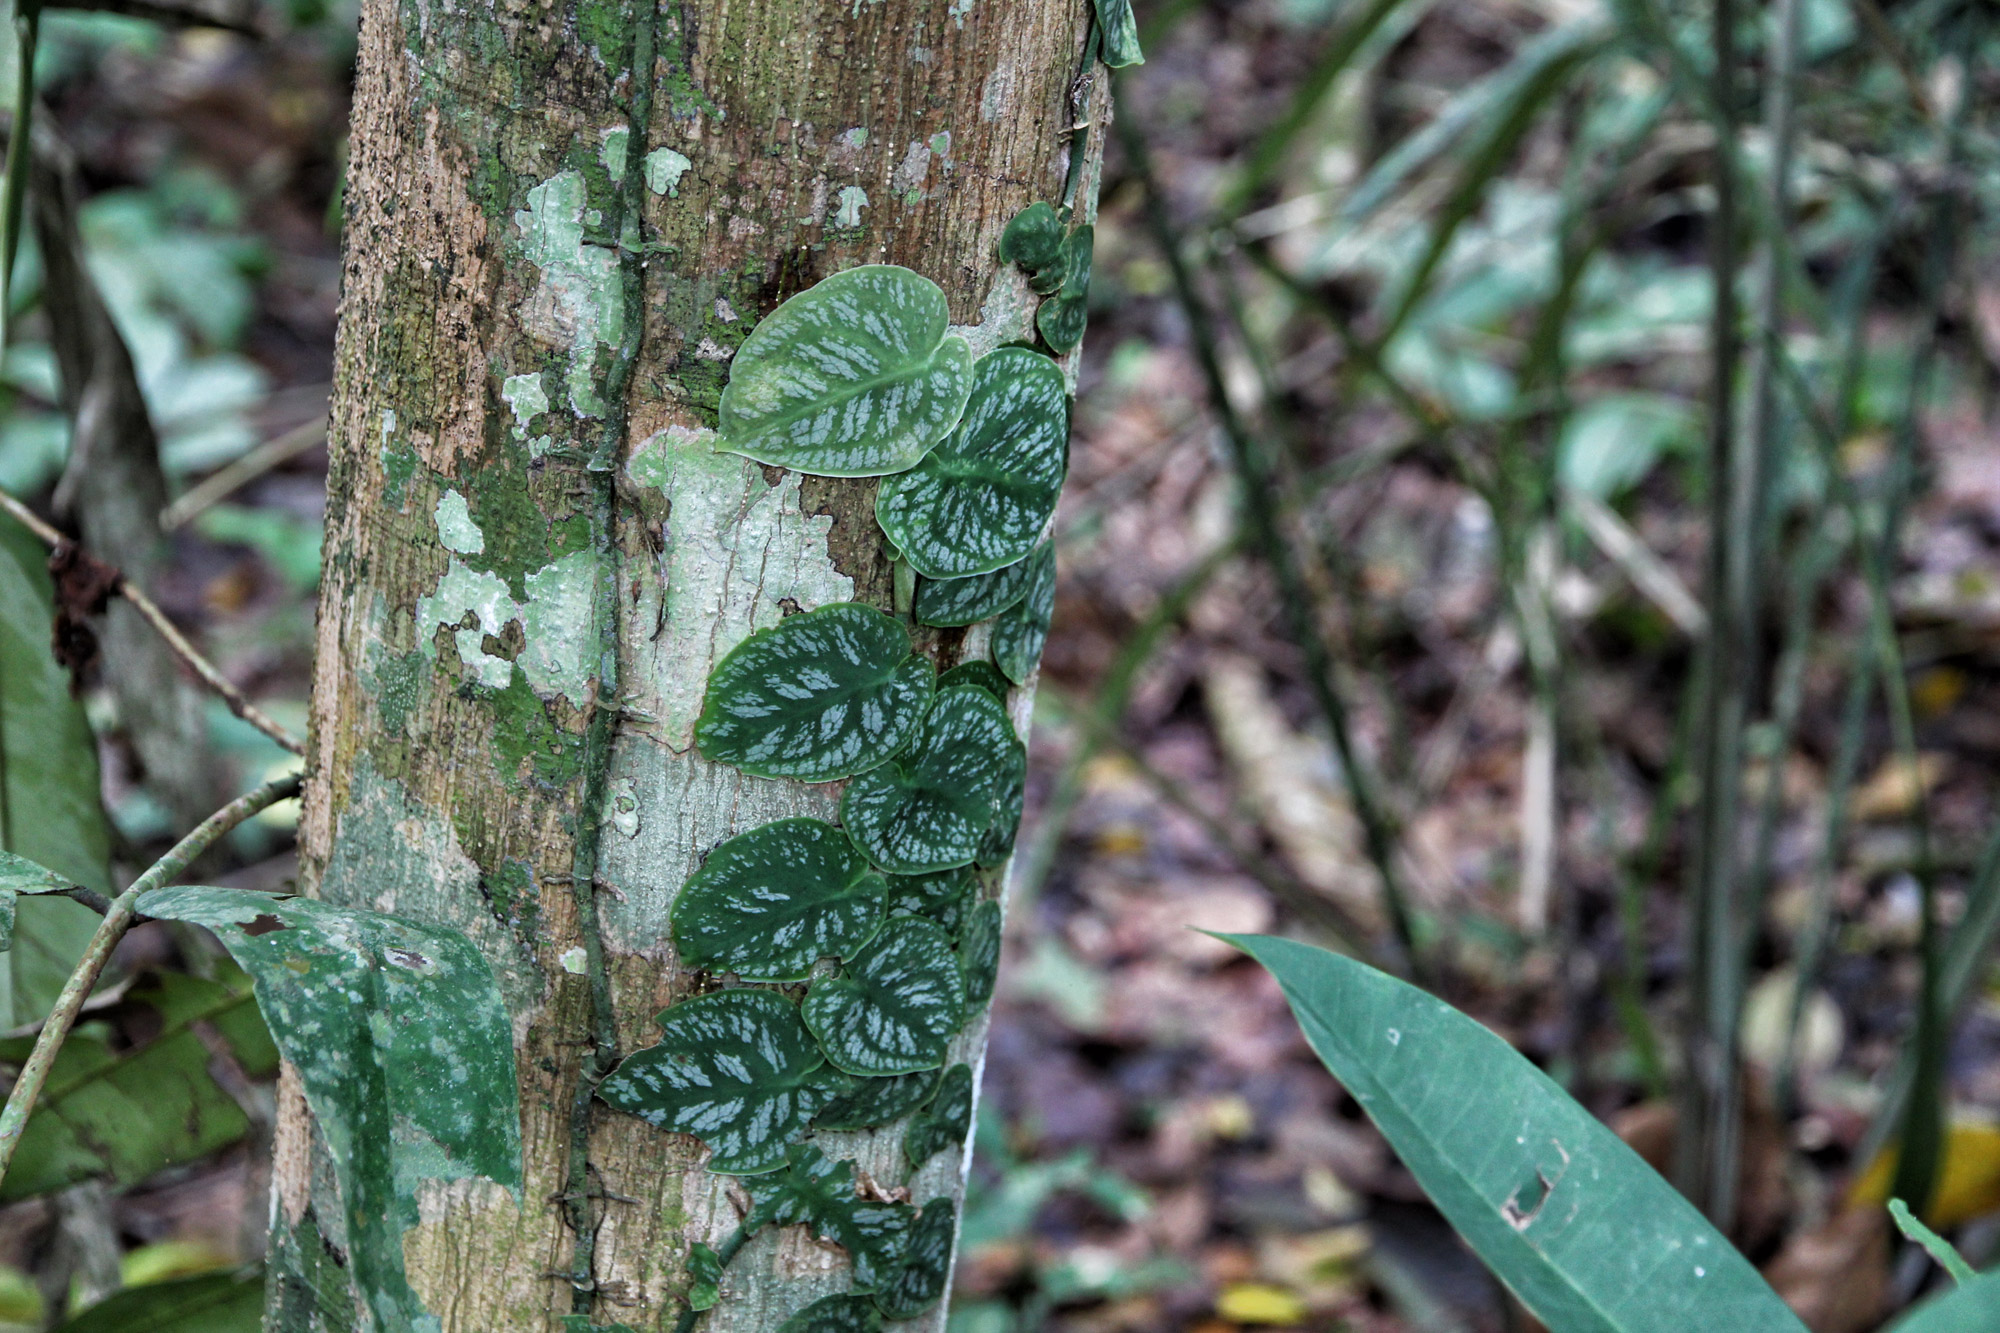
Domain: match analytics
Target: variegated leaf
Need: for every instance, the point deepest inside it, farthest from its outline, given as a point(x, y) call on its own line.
point(818, 1194)
point(769, 903)
point(877, 1101)
point(1018, 635)
point(920, 1279)
point(895, 1007)
point(929, 808)
point(951, 602)
point(946, 1121)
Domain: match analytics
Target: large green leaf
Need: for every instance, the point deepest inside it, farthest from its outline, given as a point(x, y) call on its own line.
point(844, 1313)
point(1018, 635)
point(946, 1121)
point(980, 500)
point(49, 806)
point(895, 1007)
point(1973, 1308)
point(1581, 1229)
point(1121, 33)
point(979, 953)
point(770, 903)
point(944, 896)
point(404, 1048)
point(126, 1114)
point(813, 1192)
point(950, 602)
point(924, 1268)
point(853, 377)
point(929, 809)
point(736, 1069)
point(818, 696)
point(877, 1101)
point(211, 1303)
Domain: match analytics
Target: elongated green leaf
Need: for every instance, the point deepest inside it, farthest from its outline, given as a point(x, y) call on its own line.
point(1970, 1309)
point(853, 377)
point(818, 696)
point(1936, 1246)
point(979, 953)
point(998, 843)
point(211, 1303)
point(1033, 238)
point(945, 897)
point(950, 602)
point(929, 809)
point(770, 903)
point(981, 499)
point(946, 1121)
point(736, 1069)
point(1121, 33)
point(1571, 1219)
point(836, 1314)
point(877, 1101)
point(982, 674)
point(404, 1048)
point(1018, 635)
point(895, 1008)
point(814, 1192)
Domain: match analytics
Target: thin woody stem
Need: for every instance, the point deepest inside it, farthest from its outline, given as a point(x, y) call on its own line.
point(118, 919)
point(203, 669)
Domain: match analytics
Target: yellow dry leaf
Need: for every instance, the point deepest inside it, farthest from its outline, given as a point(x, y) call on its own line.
point(1260, 1303)
point(1968, 1183)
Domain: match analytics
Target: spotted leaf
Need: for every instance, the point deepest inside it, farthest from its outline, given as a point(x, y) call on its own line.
point(979, 952)
point(983, 674)
point(877, 1101)
point(1018, 636)
point(895, 1007)
point(924, 1271)
point(944, 896)
point(736, 1069)
point(945, 1121)
point(998, 843)
point(980, 501)
point(770, 903)
point(845, 1313)
point(950, 602)
point(854, 377)
point(818, 696)
point(929, 808)
point(818, 1194)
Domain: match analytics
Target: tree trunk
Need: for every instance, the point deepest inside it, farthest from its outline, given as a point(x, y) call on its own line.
point(505, 321)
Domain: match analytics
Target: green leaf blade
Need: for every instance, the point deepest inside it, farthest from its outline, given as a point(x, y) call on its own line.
point(768, 904)
point(945, 1122)
point(836, 1314)
point(1021, 633)
point(920, 1279)
point(1121, 34)
point(816, 1193)
point(944, 896)
point(895, 1008)
point(1969, 1309)
point(929, 809)
point(979, 953)
point(877, 1101)
point(1033, 237)
point(949, 603)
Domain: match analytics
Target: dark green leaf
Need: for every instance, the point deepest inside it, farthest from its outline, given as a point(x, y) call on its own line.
point(930, 808)
point(946, 1121)
point(979, 954)
point(1569, 1217)
point(704, 1277)
point(877, 1101)
point(853, 377)
point(1121, 33)
point(1062, 321)
point(1047, 280)
point(944, 897)
point(1970, 1309)
point(736, 1069)
point(836, 1314)
point(998, 844)
point(980, 500)
point(18, 875)
point(770, 903)
point(1019, 635)
point(920, 1279)
point(980, 673)
point(951, 602)
point(1033, 238)
point(819, 1194)
point(895, 1007)
point(818, 696)
point(211, 1303)
point(404, 1048)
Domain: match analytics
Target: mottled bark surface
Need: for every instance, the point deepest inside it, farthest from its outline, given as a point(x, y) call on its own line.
point(485, 314)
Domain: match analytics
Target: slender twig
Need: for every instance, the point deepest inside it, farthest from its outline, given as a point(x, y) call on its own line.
point(119, 918)
point(225, 482)
point(190, 656)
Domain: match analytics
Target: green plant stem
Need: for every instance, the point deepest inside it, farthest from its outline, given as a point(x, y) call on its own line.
point(27, 29)
point(1260, 510)
point(118, 919)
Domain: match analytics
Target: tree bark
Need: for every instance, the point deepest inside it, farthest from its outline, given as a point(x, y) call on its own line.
point(507, 320)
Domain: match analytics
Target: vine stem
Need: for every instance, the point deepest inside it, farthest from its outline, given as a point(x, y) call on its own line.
point(119, 917)
point(204, 670)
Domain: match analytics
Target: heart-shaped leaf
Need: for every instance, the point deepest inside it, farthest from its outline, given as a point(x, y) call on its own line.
point(950, 602)
point(814, 1192)
point(998, 844)
point(770, 903)
point(877, 1101)
point(930, 808)
point(818, 696)
point(1018, 635)
point(736, 1069)
point(980, 500)
point(982, 674)
point(845, 1313)
point(1033, 237)
point(945, 897)
point(853, 377)
point(946, 1121)
point(920, 1279)
point(979, 953)
point(895, 1007)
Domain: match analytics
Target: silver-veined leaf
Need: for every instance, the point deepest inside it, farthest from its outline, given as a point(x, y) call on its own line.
point(979, 953)
point(1033, 237)
point(945, 896)
point(998, 844)
point(736, 1069)
point(946, 1121)
point(769, 903)
point(980, 500)
point(895, 1007)
point(1581, 1229)
point(929, 808)
point(877, 1101)
point(1121, 33)
point(845, 1313)
point(818, 696)
point(980, 673)
point(951, 602)
point(854, 377)
point(816, 1193)
point(1018, 635)
point(404, 1048)
point(920, 1278)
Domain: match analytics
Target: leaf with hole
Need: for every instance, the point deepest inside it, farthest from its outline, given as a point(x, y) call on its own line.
point(1121, 33)
point(895, 1007)
point(877, 1101)
point(982, 674)
point(854, 377)
point(920, 1278)
point(816, 697)
point(946, 1121)
point(1033, 237)
point(944, 896)
point(980, 501)
point(844, 1313)
point(770, 903)
point(736, 1069)
point(404, 1049)
point(979, 953)
point(929, 808)
point(1019, 635)
point(947, 603)
point(998, 843)
point(816, 1193)
point(1564, 1213)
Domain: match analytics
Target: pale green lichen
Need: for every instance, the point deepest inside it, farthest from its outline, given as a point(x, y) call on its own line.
point(664, 169)
point(456, 530)
point(941, 145)
point(612, 152)
point(557, 622)
point(852, 200)
point(856, 138)
point(581, 300)
point(526, 399)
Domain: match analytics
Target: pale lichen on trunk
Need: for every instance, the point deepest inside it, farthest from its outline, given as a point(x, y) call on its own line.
point(487, 305)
